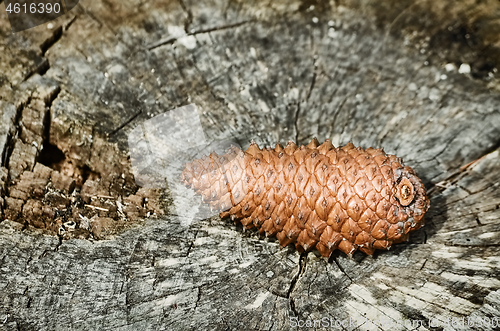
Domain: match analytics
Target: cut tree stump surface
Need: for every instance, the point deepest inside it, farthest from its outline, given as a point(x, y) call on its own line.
point(375, 74)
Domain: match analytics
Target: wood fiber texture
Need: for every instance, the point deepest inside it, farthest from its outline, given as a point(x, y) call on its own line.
point(316, 195)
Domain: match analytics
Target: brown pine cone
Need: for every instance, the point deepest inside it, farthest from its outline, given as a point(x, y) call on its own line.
point(314, 196)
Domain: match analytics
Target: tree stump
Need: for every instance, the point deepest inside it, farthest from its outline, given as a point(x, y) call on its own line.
point(83, 247)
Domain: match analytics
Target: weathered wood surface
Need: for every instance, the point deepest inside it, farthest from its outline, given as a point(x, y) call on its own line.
point(272, 71)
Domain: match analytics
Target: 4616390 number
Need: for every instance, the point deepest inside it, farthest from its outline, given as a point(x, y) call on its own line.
point(33, 8)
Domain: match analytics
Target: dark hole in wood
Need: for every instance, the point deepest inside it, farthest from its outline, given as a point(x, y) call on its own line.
point(51, 156)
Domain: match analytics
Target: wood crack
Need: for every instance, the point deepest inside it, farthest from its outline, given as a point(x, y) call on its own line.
point(297, 112)
point(124, 124)
point(301, 269)
point(170, 39)
point(457, 175)
point(335, 259)
point(189, 14)
point(49, 42)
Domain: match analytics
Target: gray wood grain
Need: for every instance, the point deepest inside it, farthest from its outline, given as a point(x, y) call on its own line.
point(272, 72)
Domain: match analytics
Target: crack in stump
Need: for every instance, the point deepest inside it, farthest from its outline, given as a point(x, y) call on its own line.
point(460, 173)
point(302, 265)
point(189, 14)
point(171, 39)
point(297, 112)
point(67, 180)
point(334, 258)
point(49, 42)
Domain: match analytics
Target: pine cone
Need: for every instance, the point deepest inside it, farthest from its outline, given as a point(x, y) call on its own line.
point(314, 196)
